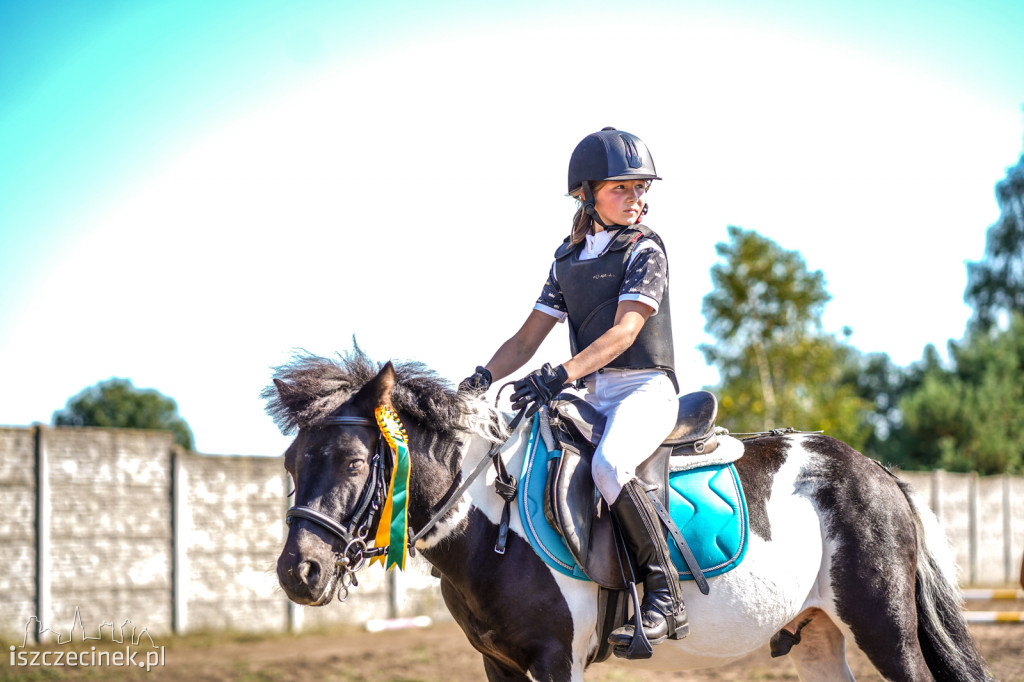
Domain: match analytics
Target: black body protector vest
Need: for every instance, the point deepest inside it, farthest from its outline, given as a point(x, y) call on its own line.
point(591, 292)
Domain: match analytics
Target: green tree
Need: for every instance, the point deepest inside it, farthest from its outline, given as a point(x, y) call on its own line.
point(968, 414)
point(969, 417)
point(879, 383)
point(995, 284)
point(117, 403)
point(777, 366)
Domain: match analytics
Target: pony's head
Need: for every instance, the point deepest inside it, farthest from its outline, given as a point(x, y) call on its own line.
point(340, 464)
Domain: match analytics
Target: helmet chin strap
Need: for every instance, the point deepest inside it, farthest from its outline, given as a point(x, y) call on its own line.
point(588, 204)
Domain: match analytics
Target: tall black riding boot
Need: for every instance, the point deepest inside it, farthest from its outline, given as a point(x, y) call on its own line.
point(662, 612)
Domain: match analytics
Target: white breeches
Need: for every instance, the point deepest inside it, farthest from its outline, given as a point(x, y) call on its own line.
point(640, 407)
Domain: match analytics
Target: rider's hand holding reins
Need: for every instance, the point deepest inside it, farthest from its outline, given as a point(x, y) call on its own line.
point(538, 388)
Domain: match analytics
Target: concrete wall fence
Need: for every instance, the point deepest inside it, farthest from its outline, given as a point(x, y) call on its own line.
point(121, 524)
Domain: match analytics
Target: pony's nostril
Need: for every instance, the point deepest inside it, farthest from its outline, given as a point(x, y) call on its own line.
point(309, 572)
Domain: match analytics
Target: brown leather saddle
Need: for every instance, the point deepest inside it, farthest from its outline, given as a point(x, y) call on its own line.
point(573, 505)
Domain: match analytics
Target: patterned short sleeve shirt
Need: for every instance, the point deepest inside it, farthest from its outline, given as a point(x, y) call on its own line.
point(646, 278)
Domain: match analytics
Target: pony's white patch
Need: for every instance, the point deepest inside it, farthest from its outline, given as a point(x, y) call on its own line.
point(485, 421)
point(581, 598)
point(486, 428)
point(482, 492)
point(776, 581)
point(446, 526)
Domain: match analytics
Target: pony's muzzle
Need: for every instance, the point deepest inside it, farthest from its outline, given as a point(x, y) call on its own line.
point(305, 569)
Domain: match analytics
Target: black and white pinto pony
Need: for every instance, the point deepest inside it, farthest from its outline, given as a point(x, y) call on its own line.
point(839, 549)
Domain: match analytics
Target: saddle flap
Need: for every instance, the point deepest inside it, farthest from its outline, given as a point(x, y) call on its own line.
point(570, 501)
point(575, 509)
point(583, 417)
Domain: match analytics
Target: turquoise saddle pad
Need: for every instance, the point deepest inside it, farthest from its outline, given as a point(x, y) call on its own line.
point(706, 504)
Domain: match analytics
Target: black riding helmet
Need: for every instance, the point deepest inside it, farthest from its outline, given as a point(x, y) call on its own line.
point(609, 154)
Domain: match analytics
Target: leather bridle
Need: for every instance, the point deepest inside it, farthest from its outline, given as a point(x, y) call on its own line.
point(354, 532)
point(371, 502)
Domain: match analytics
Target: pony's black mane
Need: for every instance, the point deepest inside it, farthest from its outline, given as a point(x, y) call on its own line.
point(319, 386)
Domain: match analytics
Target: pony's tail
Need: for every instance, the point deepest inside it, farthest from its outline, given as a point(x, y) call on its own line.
point(949, 650)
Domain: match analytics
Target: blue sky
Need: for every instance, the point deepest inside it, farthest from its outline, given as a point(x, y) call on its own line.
point(190, 190)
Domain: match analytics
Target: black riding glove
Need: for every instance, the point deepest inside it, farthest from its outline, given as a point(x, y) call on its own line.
point(479, 382)
point(538, 388)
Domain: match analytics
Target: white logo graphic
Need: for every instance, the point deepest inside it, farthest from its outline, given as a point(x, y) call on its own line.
point(126, 634)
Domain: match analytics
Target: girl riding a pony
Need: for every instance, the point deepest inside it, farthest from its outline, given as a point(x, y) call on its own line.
point(609, 281)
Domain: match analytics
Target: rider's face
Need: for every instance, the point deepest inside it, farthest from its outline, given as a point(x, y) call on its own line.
point(620, 202)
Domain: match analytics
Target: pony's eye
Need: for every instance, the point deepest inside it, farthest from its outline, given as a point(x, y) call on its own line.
point(354, 467)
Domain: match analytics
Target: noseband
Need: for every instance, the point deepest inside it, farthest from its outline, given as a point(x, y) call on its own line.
point(371, 502)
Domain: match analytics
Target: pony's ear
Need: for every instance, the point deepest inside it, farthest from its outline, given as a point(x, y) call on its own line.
point(283, 389)
point(287, 393)
point(288, 407)
point(378, 390)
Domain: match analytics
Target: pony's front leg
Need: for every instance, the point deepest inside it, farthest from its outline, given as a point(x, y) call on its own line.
point(499, 672)
point(541, 670)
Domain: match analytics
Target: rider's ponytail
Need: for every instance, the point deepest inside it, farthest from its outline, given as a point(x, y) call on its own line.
point(582, 223)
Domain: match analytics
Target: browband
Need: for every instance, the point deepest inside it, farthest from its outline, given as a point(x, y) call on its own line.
point(341, 421)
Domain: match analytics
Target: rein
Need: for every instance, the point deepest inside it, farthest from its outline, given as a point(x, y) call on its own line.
point(505, 485)
point(371, 501)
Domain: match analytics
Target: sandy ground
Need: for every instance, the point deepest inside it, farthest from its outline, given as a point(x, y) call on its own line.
point(438, 653)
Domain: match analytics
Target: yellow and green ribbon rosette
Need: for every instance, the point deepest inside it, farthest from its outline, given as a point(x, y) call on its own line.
point(393, 529)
